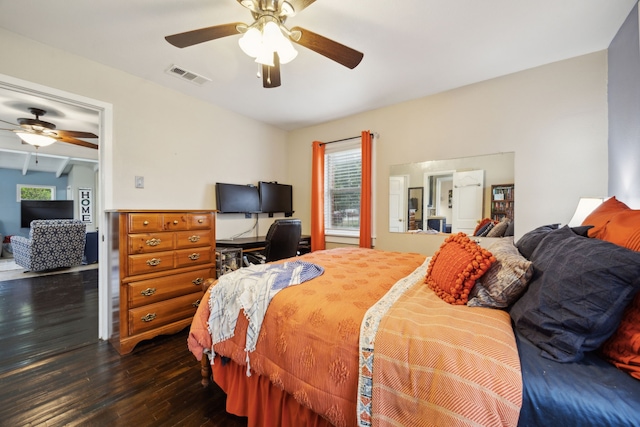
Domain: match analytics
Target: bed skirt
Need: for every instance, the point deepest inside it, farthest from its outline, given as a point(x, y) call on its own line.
point(263, 404)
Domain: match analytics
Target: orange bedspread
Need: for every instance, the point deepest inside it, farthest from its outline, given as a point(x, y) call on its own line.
point(297, 346)
point(437, 364)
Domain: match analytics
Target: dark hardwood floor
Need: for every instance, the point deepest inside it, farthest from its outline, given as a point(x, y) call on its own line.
point(54, 371)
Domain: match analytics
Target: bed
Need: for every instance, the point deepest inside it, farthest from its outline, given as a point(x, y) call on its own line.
point(376, 340)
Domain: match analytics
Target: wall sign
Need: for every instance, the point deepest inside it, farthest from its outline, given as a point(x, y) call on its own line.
point(85, 205)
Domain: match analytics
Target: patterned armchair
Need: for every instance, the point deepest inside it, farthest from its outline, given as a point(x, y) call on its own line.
point(52, 243)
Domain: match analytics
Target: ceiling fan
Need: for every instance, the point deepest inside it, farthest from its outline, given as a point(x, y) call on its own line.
point(269, 41)
point(40, 133)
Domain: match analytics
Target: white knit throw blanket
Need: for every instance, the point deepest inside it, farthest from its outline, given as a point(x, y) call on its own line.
point(251, 289)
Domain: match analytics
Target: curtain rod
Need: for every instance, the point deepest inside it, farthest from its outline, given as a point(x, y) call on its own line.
point(347, 139)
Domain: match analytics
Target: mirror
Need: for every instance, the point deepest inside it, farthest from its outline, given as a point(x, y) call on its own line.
point(446, 196)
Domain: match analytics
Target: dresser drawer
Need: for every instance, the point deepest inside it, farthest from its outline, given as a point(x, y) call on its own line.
point(175, 221)
point(151, 262)
point(143, 222)
point(195, 256)
point(155, 290)
point(193, 238)
point(150, 242)
point(151, 316)
point(200, 221)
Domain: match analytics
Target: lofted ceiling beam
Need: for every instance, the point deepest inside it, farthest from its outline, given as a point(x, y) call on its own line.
point(25, 166)
point(63, 164)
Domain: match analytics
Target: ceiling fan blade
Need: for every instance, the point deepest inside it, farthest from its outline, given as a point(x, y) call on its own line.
point(190, 38)
point(299, 5)
point(333, 50)
point(75, 141)
point(76, 134)
point(9, 123)
point(271, 75)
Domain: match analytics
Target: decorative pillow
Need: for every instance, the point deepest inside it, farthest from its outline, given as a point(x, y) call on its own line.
point(499, 229)
point(623, 229)
point(455, 268)
point(506, 280)
point(577, 295)
point(602, 214)
point(482, 226)
point(623, 348)
point(529, 242)
point(511, 229)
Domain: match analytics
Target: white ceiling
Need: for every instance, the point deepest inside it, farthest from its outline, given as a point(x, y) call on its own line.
point(412, 48)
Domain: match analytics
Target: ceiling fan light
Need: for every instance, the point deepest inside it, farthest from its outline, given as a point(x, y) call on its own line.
point(251, 42)
point(287, 52)
point(36, 139)
point(272, 36)
point(265, 57)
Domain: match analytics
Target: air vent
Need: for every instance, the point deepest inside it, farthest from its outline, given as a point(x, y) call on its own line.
point(190, 76)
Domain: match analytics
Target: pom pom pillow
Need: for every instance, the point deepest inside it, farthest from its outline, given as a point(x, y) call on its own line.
point(455, 268)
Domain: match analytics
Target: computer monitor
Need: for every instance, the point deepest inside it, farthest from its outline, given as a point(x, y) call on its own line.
point(236, 198)
point(275, 197)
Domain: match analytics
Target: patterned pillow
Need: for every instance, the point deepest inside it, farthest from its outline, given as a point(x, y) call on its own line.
point(499, 229)
point(455, 268)
point(506, 280)
point(577, 295)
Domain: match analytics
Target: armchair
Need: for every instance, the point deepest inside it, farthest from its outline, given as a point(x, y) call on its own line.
point(51, 244)
point(282, 241)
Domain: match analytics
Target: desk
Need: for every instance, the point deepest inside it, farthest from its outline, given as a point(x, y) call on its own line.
point(250, 244)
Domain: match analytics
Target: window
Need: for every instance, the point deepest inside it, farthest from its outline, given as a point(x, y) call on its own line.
point(35, 192)
point(343, 179)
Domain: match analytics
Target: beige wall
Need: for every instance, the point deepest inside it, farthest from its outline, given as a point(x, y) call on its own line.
point(181, 145)
point(553, 117)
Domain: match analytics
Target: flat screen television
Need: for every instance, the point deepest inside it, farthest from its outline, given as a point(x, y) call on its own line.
point(236, 198)
point(44, 209)
point(275, 197)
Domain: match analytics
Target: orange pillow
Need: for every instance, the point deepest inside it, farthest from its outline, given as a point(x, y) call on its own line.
point(602, 214)
point(623, 229)
point(455, 268)
point(623, 348)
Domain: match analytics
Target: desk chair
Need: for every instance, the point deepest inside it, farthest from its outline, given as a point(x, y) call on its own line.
point(281, 242)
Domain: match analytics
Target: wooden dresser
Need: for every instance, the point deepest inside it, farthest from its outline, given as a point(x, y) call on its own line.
point(164, 257)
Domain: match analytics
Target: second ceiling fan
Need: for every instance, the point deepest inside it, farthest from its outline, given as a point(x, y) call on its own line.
point(268, 40)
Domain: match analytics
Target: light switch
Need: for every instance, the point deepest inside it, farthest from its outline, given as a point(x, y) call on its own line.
point(139, 181)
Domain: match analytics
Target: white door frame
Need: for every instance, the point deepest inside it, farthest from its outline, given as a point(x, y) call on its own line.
point(105, 134)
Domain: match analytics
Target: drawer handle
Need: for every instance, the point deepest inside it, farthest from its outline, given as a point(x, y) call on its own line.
point(175, 222)
point(153, 242)
point(197, 281)
point(145, 223)
point(148, 317)
point(194, 238)
point(200, 221)
point(194, 256)
point(148, 292)
point(196, 304)
point(153, 262)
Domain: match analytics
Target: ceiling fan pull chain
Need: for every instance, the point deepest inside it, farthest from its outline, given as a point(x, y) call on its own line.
point(259, 73)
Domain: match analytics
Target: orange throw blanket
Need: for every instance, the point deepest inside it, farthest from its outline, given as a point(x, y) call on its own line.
point(308, 344)
point(438, 364)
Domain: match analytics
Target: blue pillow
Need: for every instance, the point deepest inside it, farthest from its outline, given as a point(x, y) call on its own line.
point(529, 242)
point(576, 298)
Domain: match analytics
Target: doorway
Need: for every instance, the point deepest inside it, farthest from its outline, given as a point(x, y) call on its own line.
point(104, 113)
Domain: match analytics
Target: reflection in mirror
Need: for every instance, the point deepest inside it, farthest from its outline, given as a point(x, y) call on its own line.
point(415, 208)
point(451, 195)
